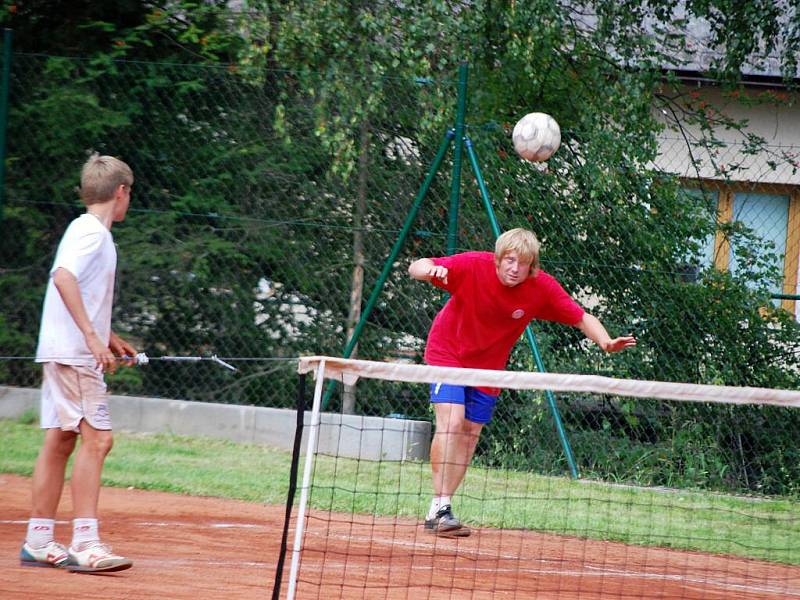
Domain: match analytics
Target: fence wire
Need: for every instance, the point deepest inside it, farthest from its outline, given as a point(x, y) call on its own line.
point(264, 210)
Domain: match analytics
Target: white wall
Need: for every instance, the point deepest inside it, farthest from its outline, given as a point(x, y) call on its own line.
point(778, 122)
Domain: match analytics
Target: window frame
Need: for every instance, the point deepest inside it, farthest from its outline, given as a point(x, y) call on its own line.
point(722, 248)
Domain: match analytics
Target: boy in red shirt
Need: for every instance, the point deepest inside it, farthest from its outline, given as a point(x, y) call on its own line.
point(493, 297)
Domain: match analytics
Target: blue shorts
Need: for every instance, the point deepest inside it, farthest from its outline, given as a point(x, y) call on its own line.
point(478, 405)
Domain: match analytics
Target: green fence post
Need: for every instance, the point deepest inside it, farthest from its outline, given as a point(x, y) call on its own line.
point(537, 357)
point(387, 266)
point(455, 183)
point(4, 85)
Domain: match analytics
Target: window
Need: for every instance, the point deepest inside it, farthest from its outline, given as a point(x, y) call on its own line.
point(708, 200)
point(774, 216)
point(767, 215)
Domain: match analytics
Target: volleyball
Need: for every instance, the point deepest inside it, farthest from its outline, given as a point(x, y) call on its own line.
point(536, 136)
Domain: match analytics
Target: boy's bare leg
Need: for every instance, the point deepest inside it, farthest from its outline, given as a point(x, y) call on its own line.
point(472, 433)
point(451, 452)
point(40, 548)
point(86, 470)
point(87, 554)
point(452, 448)
point(48, 473)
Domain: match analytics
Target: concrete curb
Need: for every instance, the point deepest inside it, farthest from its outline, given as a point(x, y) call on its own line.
point(349, 436)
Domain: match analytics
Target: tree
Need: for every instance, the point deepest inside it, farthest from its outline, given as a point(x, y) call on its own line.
point(63, 108)
point(616, 231)
point(278, 147)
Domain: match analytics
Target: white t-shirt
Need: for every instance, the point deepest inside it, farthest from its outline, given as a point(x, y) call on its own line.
point(87, 251)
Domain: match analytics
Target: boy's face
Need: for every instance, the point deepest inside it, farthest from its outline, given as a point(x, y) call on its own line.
point(123, 200)
point(512, 270)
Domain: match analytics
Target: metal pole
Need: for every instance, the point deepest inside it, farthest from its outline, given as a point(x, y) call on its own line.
point(455, 183)
point(387, 266)
point(293, 470)
point(4, 88)
point(311, 450)
point(487, 204)
point(537, 357)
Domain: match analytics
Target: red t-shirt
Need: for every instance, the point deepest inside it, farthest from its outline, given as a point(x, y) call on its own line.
point(483, 318)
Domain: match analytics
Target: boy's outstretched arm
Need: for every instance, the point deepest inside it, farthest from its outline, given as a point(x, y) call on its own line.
point(593, 329)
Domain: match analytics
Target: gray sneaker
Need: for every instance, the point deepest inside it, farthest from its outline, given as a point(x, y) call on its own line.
point(446, 524)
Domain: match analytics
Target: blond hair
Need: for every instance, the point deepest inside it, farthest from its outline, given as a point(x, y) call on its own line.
point(100, 178)
point(521, 241)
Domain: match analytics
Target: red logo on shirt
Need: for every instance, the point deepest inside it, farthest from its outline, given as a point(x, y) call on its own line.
point(518, 314)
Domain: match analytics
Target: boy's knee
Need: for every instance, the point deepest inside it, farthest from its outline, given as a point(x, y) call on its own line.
point(65, 447)
point(59, 443)
point(105, 443)
point(99, 442)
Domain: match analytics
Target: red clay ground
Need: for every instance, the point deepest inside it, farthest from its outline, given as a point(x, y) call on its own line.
point(203, 548)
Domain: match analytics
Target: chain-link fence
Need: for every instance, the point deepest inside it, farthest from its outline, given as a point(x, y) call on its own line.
point(265, 208)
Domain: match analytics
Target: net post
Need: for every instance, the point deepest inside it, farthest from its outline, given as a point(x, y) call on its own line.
point(313, 431)
point(537, 357)
point(298, 436)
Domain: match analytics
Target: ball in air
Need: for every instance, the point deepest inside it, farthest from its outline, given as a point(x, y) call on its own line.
point(536, 136)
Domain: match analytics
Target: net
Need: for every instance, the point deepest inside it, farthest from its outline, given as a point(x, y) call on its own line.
point(367, 482)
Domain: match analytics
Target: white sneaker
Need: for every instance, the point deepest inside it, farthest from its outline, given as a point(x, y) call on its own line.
point(50, 555)
point(96, 557)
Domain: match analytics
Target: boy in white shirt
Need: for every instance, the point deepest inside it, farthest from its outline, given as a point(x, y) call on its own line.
point(76, 346)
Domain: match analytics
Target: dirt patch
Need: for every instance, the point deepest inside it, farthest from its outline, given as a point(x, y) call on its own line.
point(185, 547)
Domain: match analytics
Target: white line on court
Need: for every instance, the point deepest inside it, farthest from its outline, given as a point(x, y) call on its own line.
point(163, 524)
point(211, 525)
point(25, 522)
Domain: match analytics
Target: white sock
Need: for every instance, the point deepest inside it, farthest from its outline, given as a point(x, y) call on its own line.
point(40, 532)
point(437, 503)
point(84, 531)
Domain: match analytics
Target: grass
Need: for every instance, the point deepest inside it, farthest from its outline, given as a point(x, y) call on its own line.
point(759, 528)
point(170, 463)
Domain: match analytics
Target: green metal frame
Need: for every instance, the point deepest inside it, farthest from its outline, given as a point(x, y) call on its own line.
point(452, 243)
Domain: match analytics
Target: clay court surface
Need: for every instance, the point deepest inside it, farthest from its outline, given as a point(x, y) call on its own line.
point(206, 548)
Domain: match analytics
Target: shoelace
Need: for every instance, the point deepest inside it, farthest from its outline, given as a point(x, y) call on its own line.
point(445, 511)
point(97, 546)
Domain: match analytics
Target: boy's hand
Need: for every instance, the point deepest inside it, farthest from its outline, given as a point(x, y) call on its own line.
point(122, 348)
point(438, 272)
point(619, 344)
point(103, 357)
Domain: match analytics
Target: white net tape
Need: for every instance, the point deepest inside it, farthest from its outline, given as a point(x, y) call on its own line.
point(348, 371)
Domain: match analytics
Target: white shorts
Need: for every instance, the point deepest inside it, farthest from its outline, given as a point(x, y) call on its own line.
point(71, 393)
